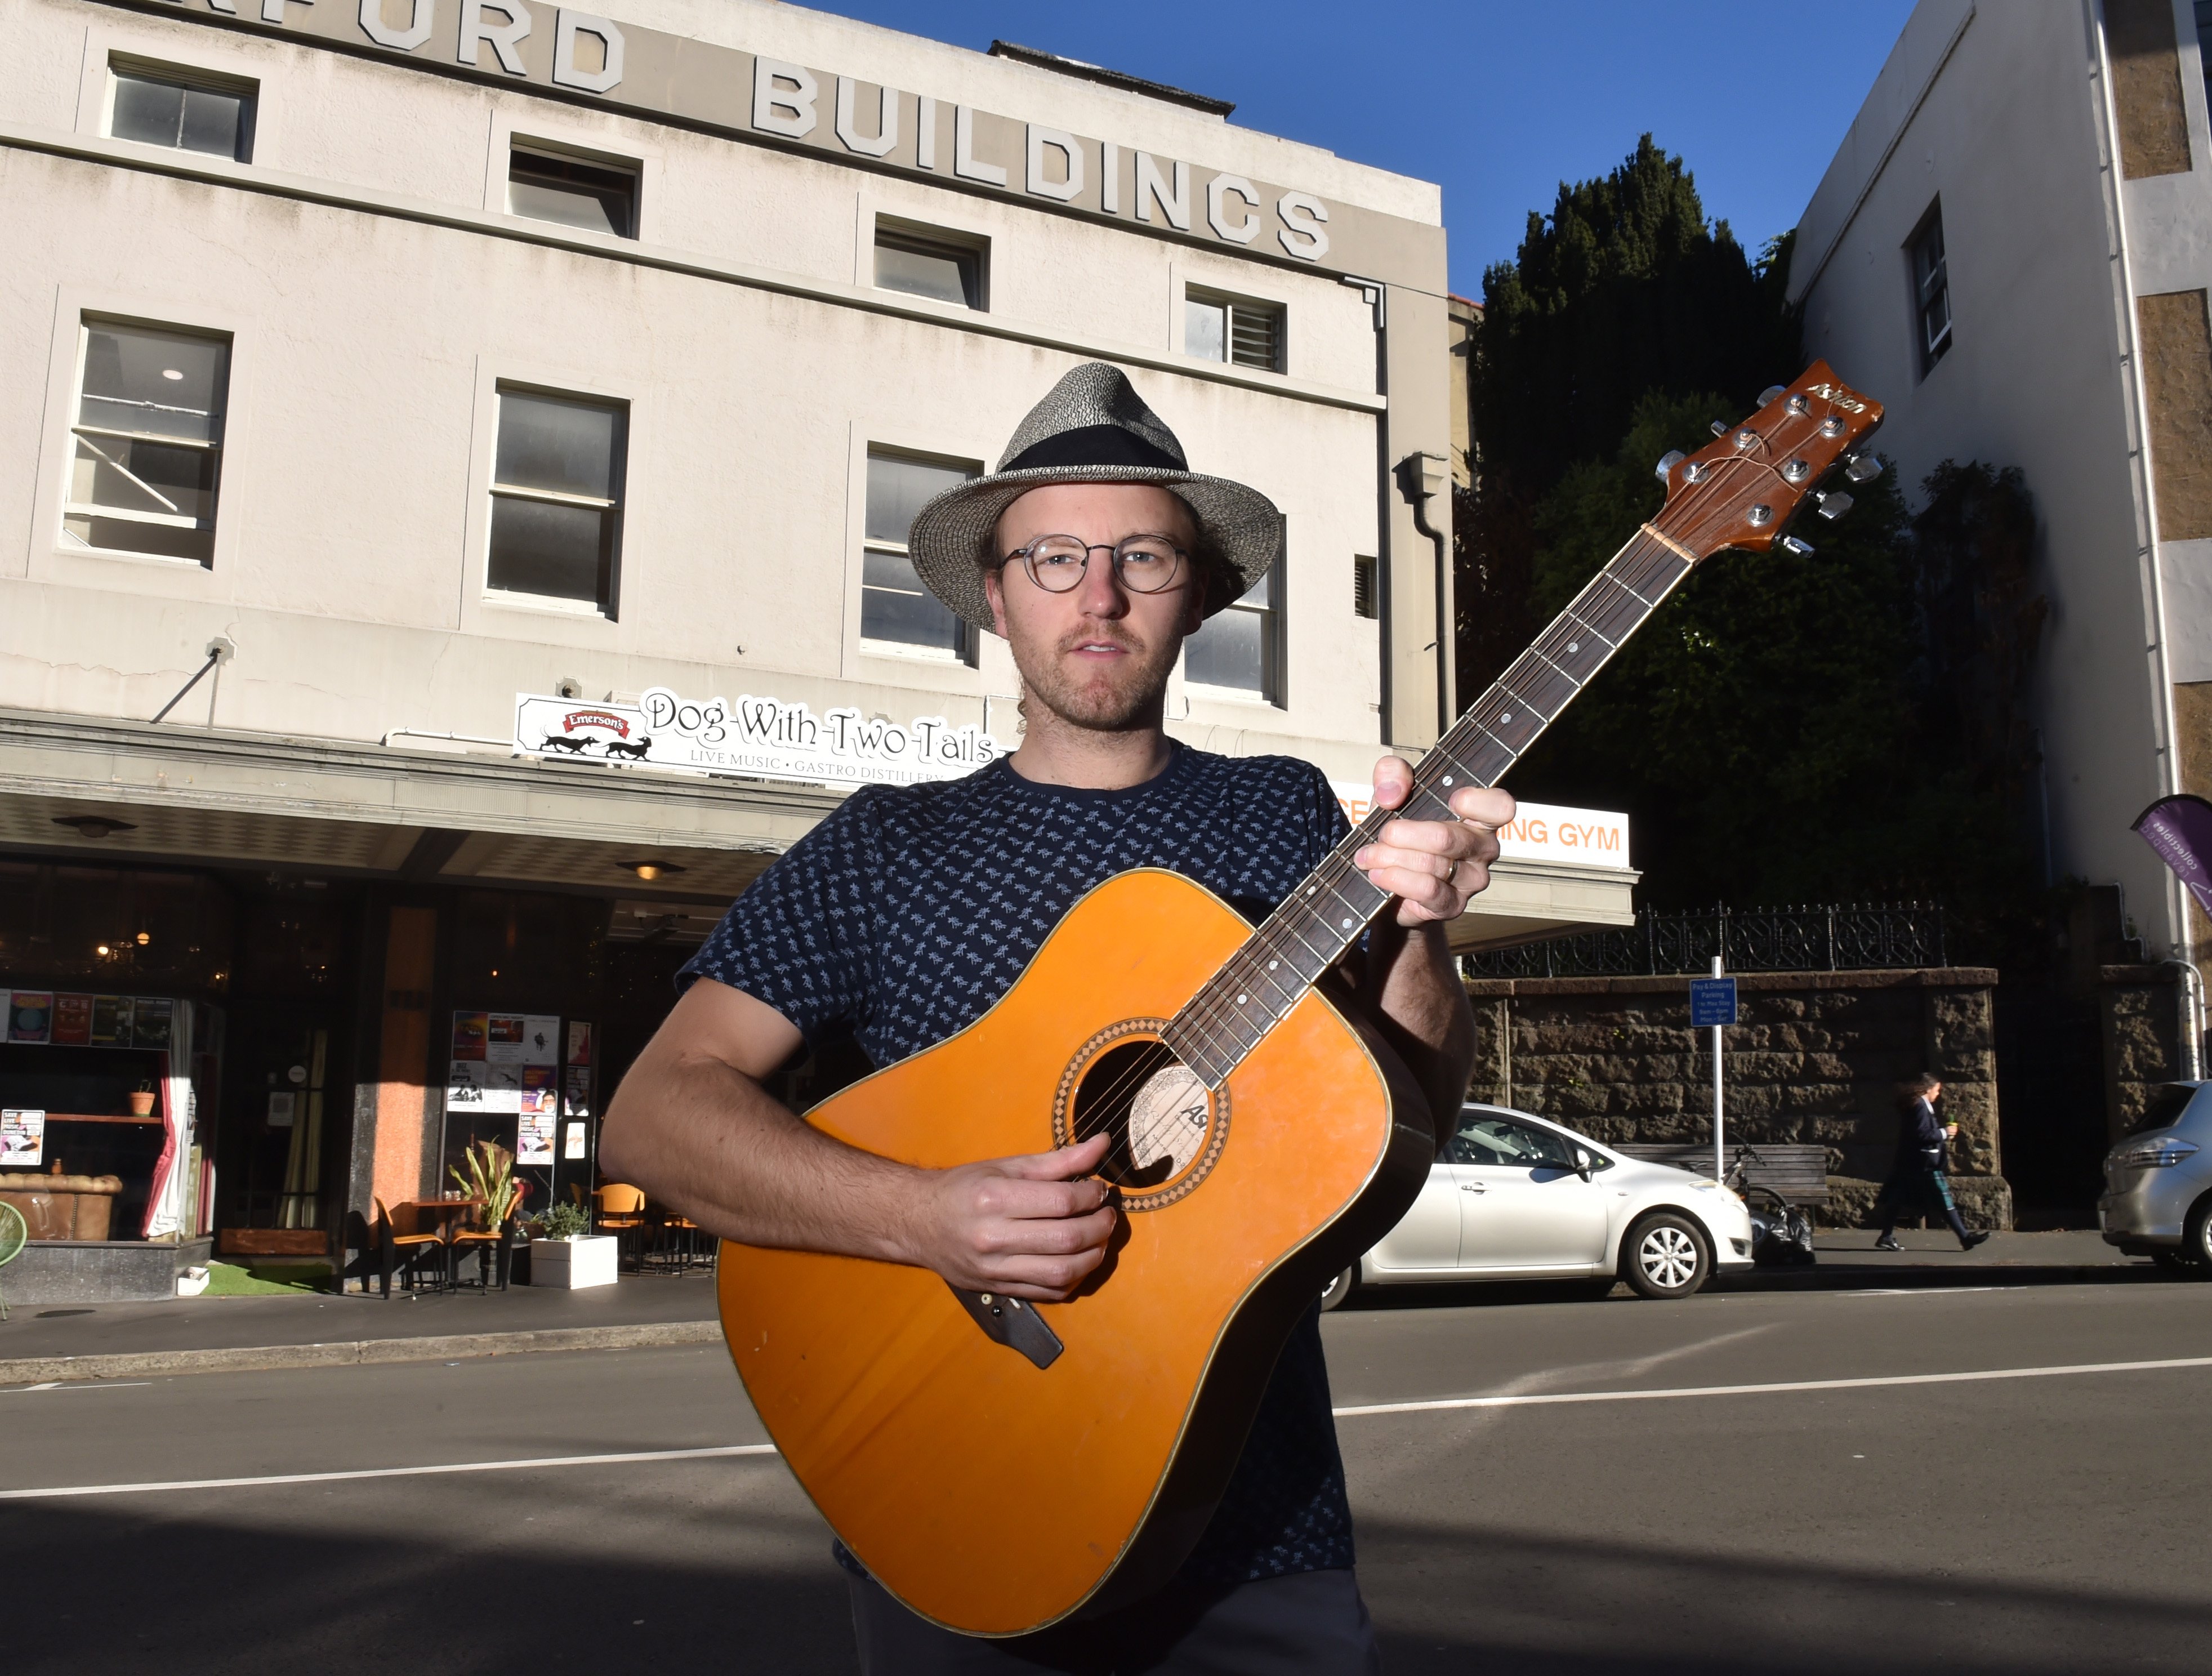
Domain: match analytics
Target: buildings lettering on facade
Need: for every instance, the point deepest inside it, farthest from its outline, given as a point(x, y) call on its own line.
point(368, 363)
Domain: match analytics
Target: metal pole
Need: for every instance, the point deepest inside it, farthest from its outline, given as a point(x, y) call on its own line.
point(1720, 1168)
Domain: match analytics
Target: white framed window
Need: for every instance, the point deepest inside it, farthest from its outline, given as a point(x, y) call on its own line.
point(597, 196)
point(932, 262)
point(1931, 290)
point(159, 105)
point(1237, 330)
point(898, 615)
point(146, 455)
point(1239, 650)
point(556, 499)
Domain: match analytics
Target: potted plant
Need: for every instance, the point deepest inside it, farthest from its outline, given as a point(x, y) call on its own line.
point(490, 1182)
point(142, 1099)
point(564, 1252)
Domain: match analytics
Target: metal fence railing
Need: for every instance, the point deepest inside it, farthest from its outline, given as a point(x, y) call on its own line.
point(1840, 937)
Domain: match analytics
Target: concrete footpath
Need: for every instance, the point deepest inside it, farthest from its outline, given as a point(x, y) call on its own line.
point(224, 1334)
point(220, 1334)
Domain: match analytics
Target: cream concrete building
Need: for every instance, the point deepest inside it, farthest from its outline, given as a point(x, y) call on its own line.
point(512, 416)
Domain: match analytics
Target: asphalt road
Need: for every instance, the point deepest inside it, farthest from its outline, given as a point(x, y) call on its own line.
point(2045, 1523)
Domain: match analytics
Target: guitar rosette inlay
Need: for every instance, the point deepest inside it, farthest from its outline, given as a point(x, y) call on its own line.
point(1167, 1129)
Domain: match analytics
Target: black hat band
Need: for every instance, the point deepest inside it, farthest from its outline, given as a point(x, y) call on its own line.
point(1093, 445)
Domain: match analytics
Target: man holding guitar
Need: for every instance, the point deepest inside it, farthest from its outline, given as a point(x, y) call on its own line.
point(906, 915)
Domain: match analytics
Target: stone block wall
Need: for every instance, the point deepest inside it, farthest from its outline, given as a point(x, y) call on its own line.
point(1816, 1058)
point(2141, 1011)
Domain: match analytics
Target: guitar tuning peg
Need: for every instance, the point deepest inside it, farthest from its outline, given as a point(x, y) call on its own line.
point(1768, 394)
point(1862, 468)
point(1718, 428)
point(1836, 505)
point(1802, 549)
point(1668, 462)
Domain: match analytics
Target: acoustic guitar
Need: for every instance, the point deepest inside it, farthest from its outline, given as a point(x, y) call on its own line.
point(998, 1464)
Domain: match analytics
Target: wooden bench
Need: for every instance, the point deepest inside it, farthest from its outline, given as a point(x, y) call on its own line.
point(1797, 1172)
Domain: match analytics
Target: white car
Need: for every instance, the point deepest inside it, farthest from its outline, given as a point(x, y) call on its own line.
point(1517, 1197)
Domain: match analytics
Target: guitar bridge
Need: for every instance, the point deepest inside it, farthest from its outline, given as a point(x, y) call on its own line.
point(1013, 1323)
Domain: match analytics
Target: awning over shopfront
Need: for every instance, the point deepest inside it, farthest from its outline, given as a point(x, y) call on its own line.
point(110, 789)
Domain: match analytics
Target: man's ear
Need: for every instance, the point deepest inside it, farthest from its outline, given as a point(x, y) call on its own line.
point(994, 590)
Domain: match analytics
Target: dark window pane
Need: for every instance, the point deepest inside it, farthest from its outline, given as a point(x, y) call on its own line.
point(122, 474)
point(150, 111)
point(556, 189)
point(895, 606)
point(1363, 587)
point(1229, 650)
point(213, 122)
point(562, 552)
point(944, 272)
point(897, 489)
point(124, 535)
point(164, 383)
point(564, 447)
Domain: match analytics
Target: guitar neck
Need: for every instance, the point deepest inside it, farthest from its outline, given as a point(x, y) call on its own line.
point(1331, 908)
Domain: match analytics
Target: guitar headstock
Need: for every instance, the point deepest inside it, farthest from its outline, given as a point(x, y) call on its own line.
point(1742, 489)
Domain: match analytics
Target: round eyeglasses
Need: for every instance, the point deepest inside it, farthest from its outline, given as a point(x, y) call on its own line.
point(1142, 564)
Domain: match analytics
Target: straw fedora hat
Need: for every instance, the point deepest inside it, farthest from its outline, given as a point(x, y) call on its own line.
point(1092, 429)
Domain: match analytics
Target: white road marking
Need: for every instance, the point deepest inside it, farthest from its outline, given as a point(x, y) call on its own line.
point(63, 1385)
point(1532, 1400)
point(1538, 1399)
point(392, 1471)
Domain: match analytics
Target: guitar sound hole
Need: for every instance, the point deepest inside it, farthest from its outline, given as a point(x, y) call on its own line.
point(1154, 1108)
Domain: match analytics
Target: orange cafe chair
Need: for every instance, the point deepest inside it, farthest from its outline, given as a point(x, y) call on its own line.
point(621, 1210)
point(408, 1247)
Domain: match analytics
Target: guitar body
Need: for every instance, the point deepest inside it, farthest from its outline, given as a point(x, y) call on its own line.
point(994, 1495)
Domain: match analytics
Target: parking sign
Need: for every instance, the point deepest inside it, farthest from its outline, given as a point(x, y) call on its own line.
point(1712, 1002)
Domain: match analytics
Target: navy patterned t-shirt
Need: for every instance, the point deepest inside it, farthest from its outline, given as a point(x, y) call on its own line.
point(909, 911)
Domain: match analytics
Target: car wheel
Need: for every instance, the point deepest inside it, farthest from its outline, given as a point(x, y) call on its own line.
point(1340, 1288)
point(1665, 1255)
point(2196, 1239)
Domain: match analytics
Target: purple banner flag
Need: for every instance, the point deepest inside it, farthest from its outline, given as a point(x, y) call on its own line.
point(2180, 829)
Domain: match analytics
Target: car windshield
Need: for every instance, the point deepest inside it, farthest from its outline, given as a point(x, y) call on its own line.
point(1487, 1138)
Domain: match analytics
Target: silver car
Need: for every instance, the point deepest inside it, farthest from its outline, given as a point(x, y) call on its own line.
point(1517, 1197)
point(2158, 1182)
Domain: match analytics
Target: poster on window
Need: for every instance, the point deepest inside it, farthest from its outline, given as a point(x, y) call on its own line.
point(22, 1137)
point(111, 1021)
point(580, 1042)
point(533, 1135)
point(72, 1021)
point(576, 1091)
point(541, 1039)
point(576, 1139)
point(475, 1085)
point(30, 1014)
point(504, 1037)
point(470, 1035)
point(152, 1021)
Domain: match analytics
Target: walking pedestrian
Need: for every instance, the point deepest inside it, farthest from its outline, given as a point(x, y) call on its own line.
point(1917, 1183)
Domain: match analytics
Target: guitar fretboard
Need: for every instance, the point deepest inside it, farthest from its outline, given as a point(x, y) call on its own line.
point(1270, 975)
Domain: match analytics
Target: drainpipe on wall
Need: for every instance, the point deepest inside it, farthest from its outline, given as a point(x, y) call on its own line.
point(1421, 478)
point(2168, 776)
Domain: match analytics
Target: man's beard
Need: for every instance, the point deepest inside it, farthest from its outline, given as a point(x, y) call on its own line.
point(1114, 699)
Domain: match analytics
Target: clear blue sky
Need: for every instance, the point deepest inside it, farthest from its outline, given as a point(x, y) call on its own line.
point(1499, 102)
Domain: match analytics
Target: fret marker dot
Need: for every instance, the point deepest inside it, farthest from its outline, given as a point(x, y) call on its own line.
point(1447, 780)
point(1508, 716)
point(1272, 964)
point(1348, 925)
point(1574, 646)
point(1240, 1000)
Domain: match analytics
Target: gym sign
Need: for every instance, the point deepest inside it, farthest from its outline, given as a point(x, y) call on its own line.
point(761, 738)
point(592, 59)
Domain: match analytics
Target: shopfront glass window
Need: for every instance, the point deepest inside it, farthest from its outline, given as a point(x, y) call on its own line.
point(897, 613)
point(556, 499)
point(147, 446)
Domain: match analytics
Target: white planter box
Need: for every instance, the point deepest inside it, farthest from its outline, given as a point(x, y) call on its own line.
point(587, 1262)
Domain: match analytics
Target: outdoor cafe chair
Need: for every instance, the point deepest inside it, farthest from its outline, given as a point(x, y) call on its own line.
point(621, 1212)
point(409, 1248)
point(491, 1245)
